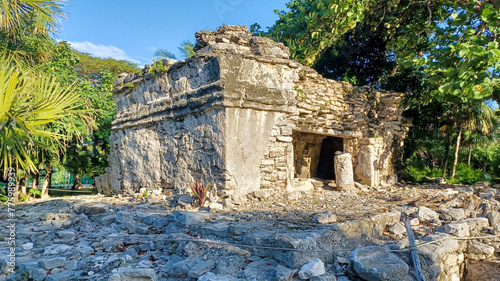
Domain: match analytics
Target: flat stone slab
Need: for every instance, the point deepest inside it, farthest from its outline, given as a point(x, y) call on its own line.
point(134, 274)
point(190, 218)
point(375, 263)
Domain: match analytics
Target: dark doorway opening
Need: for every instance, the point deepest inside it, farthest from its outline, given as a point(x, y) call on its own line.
point(325, 164)
point(314, 154)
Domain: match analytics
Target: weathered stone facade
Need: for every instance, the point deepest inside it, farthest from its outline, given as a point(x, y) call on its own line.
point(244, 116)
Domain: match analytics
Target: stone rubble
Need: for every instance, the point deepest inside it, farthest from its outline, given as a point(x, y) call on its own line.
point(126, 238)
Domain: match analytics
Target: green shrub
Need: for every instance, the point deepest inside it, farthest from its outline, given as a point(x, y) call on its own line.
point(466, 174)
point(35, 192)
point(414, 174)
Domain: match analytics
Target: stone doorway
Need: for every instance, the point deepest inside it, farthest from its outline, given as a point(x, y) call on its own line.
point(313, 155)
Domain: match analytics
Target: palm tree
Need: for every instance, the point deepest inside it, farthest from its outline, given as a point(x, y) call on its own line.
point(41, 15)
point(24, 30)
point(476, 118)
point(187, 49)
point(163, 54)
point(35, 111)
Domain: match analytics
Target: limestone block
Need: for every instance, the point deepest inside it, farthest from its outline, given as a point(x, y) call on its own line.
point(459, 229)
point(343, 171)
point(325, 217)
point(189, 218)
point(453, 214)
point(129, 274)
point(91, 208)
point(365, 169)
point(397, 229)
point(427, 215)
point(376, 263)
point(476, 225)
point(284, 273)
point(480, 251)
point(51, 263)
point(315, 267)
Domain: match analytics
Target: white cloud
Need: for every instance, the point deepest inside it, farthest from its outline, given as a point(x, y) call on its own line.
point(102, 51)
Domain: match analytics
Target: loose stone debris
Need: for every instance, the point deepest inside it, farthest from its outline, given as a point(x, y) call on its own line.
point(129, 238)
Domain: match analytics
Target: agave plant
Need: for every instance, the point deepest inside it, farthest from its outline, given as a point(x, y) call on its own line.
point(200, 190)
point(35, 111)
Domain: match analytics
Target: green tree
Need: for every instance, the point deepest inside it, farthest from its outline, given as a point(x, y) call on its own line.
point(94, 79)
point(25, 27)
point(451, 43)
point(30, 104)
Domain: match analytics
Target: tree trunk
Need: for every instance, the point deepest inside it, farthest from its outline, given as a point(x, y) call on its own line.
point(446, 155)
point(77, 184)
point(15, 198)
point(457, 147)
point(22, 183)
point(46, 181)
point(470, 155)
point(36, 180)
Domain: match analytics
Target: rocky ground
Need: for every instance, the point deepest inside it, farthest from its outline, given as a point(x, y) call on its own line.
point(322, 234)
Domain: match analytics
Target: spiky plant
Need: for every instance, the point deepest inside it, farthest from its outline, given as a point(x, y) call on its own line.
point(200, 190)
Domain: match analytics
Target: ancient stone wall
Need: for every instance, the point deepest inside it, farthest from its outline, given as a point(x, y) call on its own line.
point(230, 114)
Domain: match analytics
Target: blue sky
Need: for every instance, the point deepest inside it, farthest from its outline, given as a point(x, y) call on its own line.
point(133, 30)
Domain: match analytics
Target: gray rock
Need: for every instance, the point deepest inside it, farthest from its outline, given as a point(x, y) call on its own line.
point(185, 200)
point(453, 214)
point(494, 218)
point(487, 194)
point(209, 276)
point(229, 265)
point(52, 262)
point(191, 249)
point(476, 225)
point(107, 220)
point(261, 194)
point(61, 276)
point(427, 215)
point(480, 251)
point(459, 229)
point(377, 264)
point(91, 208)
point(66, 234)
point(56, 249)
point(324, 277)
point(182, 268)
point(27, 246)
point(84, 250)
point(190, 218)
point(263, 269)
point(313, 268)
point(39, 274)
point(134, 274)
point(125, 217)
point(325, 217)
point(201, 268)
point(397, 229)
point(284, 273)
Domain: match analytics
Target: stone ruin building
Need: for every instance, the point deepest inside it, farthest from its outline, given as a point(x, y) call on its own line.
point(244, 116)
